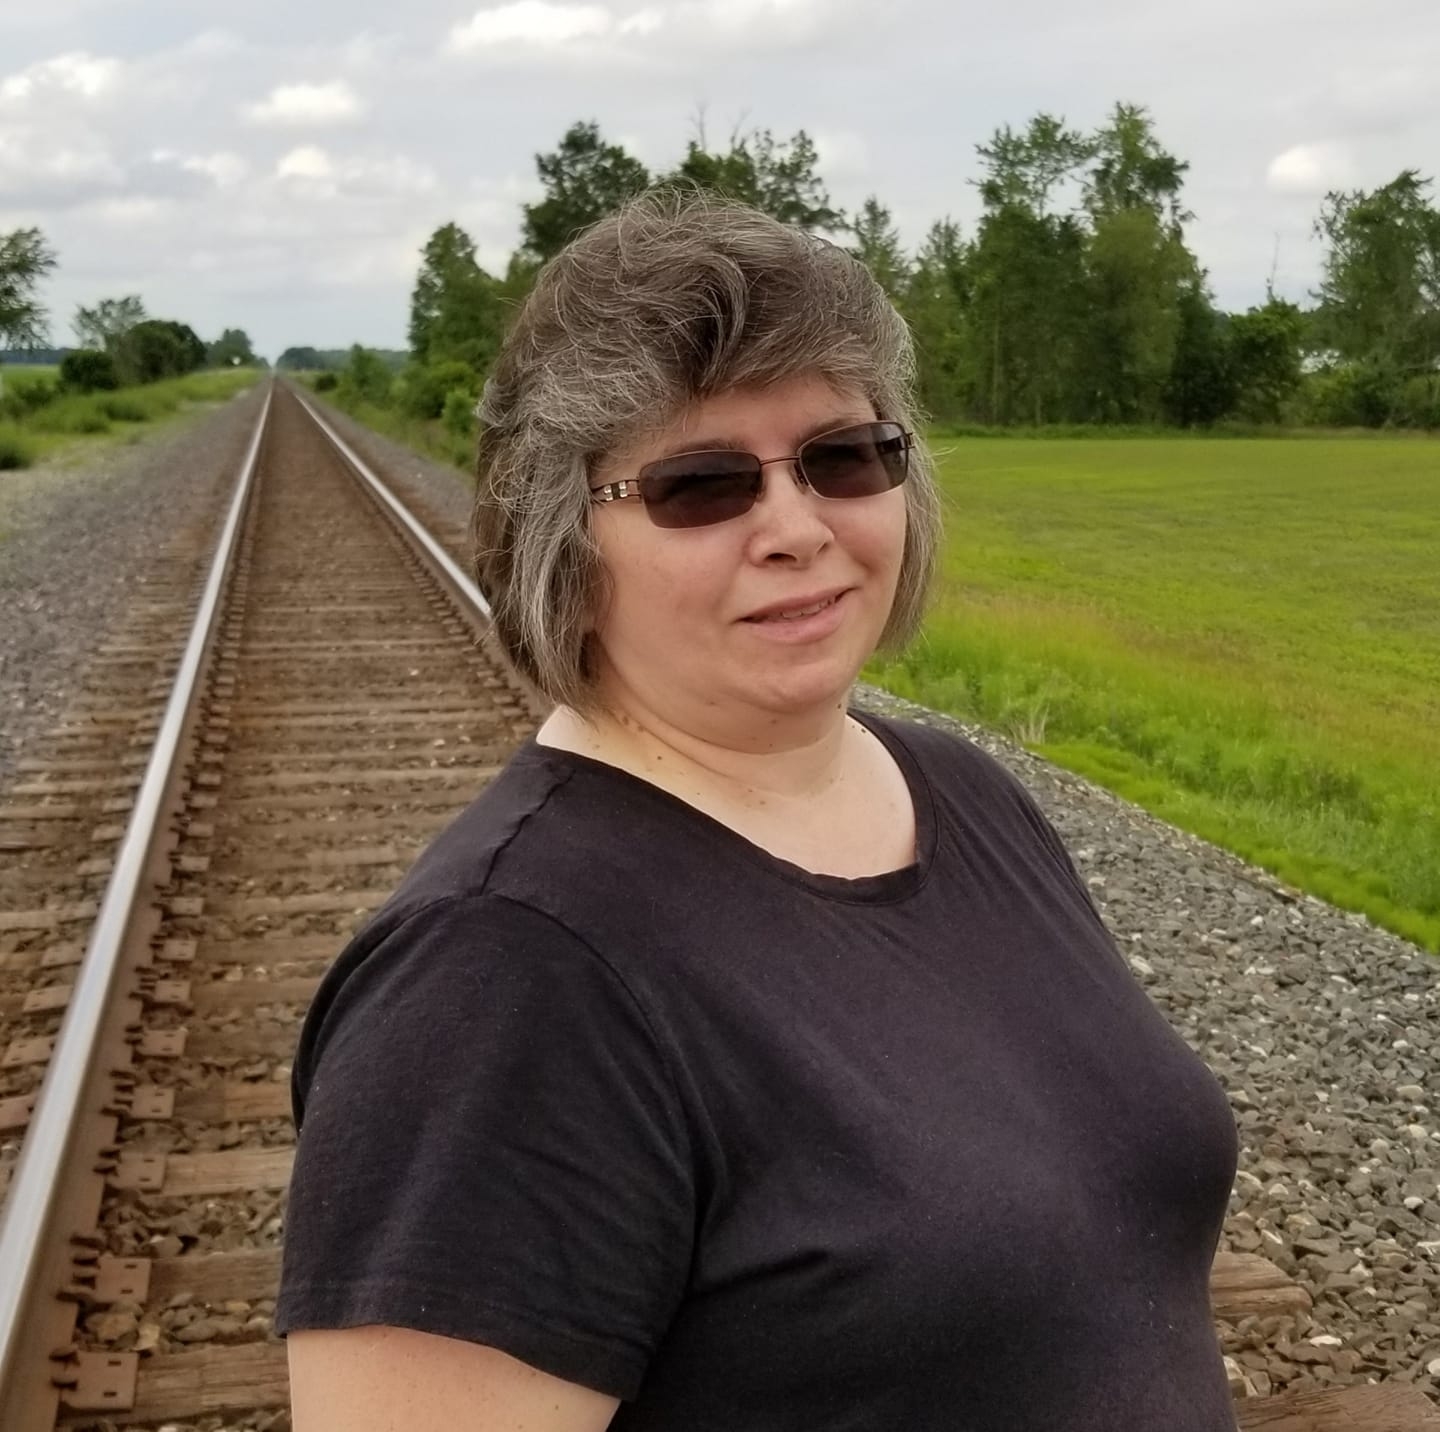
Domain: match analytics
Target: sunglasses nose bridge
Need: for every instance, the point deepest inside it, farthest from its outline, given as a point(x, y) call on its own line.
point(794, 459)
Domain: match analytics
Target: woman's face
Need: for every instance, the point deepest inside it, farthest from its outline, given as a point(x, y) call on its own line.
point(699, 628)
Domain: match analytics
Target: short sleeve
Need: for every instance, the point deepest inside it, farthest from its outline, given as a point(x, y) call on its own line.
point(491, 1148)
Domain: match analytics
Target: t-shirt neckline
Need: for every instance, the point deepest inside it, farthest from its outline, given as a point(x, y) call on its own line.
point(885, 888)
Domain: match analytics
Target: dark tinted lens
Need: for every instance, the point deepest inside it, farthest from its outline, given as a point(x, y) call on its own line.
point(697, 489)
point(857, 462)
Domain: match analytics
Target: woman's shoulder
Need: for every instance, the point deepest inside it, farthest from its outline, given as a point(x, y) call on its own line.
point(543, 811)
point(965, 777)
point(941, 747)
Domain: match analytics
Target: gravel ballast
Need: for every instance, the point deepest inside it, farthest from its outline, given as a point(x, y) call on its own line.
point(1321, 1027)
point(76, 537)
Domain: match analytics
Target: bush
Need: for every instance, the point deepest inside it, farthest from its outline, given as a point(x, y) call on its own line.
point(15, 451)
point(1418, 405)
point(74, 415)
point(1357, 395)
point(365, 378)
point(326, 382)
point(87, 370)
point(458, 414)
point(34, 393)
point(123, 408)
point(423, 387)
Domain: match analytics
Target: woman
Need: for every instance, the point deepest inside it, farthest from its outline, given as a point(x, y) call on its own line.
point(738, 1061)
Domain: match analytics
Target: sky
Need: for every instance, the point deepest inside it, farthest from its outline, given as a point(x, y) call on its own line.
point(278, 167)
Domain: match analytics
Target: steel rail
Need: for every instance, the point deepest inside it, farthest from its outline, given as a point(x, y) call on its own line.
point(437, 554)
point(29, 1208)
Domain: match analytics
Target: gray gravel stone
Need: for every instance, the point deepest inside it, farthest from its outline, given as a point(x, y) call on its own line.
point(76, 535)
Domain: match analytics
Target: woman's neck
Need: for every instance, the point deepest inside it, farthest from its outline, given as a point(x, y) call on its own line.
point(777, 759)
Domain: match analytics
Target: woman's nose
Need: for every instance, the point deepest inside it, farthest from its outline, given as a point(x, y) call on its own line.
point(789, 518)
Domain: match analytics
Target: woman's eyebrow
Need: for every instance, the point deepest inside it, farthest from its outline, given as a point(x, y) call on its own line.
point(718, 443)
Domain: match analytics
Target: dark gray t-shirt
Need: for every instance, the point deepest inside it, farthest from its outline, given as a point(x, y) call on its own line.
point(613, 1090)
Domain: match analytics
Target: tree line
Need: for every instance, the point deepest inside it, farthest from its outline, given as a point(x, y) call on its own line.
point(120, 344)
point(1075, 299)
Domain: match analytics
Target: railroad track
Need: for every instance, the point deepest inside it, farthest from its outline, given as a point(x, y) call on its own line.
point(343, 707)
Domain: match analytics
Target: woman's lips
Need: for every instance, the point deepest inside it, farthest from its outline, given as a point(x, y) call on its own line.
point(791, 614)
point(806, 621)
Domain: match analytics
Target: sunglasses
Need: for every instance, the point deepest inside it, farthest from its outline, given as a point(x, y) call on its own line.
point(699, 489)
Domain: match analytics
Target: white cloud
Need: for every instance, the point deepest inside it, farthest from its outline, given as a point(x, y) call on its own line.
point(224, 169)
point(530, 22)
point(643, 22)
point(77, 73)
point(134, 211)
point(311, 170)
point(309, 161)
point(770, 23)
point(1311, 170)
point(524, 29)
point(38, 168)
point(332, 103)
point(388, 175)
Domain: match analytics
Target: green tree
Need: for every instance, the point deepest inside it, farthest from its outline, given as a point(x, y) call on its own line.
point(456, 308)
point(231, 350)
point(877, 246)
point(25, 259)
point(302, 359)
point(1027, 270)
point(1022, 170)
point(108, 322)
point(157, 348)
point(1265, 358)
point(366, 377)
point(1379, 294)
point(1201, 388)
point(935, 304)
point(1138, 269)
point(1129, 170)
point(779, 177)
point(1026, 315)
point(585, 179)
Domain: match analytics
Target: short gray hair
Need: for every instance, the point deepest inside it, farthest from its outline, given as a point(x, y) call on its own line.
point(676, 297)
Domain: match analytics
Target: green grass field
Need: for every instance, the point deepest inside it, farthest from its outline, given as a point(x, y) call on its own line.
point(1241, 636)
point(58, 420)
point(21, 375)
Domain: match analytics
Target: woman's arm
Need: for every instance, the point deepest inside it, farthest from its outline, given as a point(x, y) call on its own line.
point(381, 1379)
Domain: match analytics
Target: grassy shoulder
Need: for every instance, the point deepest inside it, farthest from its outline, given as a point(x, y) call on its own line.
point(450, 442)
point(1242, 637)
point(37, 420)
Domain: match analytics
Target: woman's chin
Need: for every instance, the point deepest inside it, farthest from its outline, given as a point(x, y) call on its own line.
point(806, 687)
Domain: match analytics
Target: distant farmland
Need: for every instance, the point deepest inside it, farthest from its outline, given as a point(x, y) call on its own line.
point(1242, 636)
